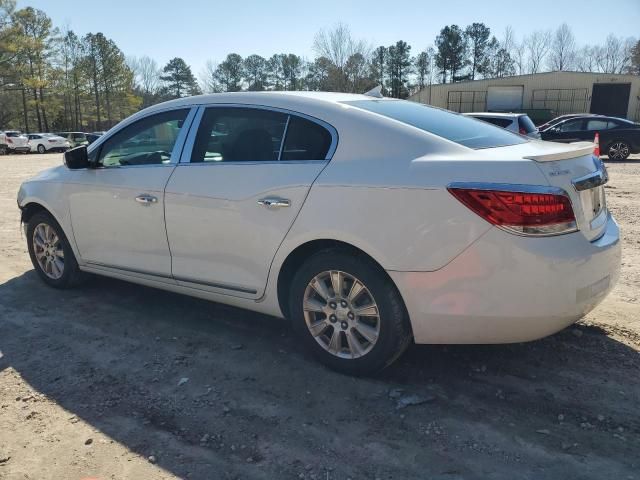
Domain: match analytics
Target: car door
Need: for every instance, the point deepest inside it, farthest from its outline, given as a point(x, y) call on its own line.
point(566, 132)
point(244, 176)
point(117, 209)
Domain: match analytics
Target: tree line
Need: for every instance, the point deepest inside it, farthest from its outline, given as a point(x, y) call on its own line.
point(53, 79)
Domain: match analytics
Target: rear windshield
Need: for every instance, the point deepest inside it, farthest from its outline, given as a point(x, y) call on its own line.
point(525, 123)
point(500, 122)
point(13, 134)
point(452, 126)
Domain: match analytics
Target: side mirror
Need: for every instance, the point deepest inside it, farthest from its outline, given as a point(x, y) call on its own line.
point(76, 158)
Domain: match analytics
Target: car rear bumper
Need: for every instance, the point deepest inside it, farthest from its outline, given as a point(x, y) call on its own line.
point(26, 148)
point(506, 289)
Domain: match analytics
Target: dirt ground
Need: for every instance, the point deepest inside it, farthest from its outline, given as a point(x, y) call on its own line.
point(92, 384)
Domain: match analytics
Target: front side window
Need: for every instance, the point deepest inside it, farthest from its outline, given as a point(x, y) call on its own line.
point(451, 126)
point(239, 135)
point(146, 142)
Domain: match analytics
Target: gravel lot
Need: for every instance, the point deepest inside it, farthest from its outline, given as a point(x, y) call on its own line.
point(92, 384)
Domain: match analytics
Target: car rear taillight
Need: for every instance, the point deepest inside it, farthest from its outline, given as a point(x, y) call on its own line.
point(522, 131)
point(51, 141)
point(9, 140)
point(533, 212)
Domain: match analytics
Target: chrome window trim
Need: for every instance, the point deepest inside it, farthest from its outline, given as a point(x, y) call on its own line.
point(510, 187)
point(591, 180)
point(221, 286)
point(189, 144)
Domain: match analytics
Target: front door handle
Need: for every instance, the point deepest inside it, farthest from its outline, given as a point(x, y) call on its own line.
point(145, 199)
point(274, 202)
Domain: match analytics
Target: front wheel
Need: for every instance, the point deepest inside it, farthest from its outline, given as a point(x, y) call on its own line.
point(348, 312)
point(41, 149)
point(618, 150)
point(50, 252)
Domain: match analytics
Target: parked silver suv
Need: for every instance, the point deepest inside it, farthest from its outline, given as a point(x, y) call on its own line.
point(515, 122)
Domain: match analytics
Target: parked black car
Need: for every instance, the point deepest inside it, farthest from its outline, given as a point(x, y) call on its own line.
point(618, 137)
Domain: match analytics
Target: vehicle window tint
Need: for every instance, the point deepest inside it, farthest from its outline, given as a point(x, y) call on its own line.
point(79, 136)
point(525, 123)
point(500, 122)
point(146, 142)
point(454, 127)
point(305, 140)
point(238, 135)
point(599, 124)
point(571, 126)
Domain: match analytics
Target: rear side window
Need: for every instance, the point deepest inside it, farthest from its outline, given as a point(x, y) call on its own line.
point(525, 125)
point(454, 127)
point(598, 124)
point(239, 135)
point(500, 122)
point(305, 140)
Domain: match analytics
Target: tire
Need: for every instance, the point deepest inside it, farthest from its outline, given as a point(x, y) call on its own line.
point(339, 313)
point(41, 149)
point(3, 150)
point(55, 276)
point(618, 150)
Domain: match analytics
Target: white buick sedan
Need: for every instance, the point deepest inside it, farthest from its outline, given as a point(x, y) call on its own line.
point(370, 223)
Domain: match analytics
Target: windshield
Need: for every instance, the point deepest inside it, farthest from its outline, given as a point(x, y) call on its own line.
point(13, 134)
point(458, 128)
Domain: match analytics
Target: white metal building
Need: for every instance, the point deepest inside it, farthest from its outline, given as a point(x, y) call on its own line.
point(560, 92)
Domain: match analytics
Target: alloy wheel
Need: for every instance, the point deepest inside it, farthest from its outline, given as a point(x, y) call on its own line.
point(48, 251)
point(618, 151)
point(341, 314)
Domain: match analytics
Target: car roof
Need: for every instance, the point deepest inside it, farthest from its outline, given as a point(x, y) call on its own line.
point(495, 114)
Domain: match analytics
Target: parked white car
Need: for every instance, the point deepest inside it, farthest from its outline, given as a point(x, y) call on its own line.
point(370, 223)
point(46, 142)
point(16, 141)
point(4, 148)
point(514, 122)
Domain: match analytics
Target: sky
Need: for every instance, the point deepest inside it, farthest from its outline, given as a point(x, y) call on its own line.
point(200, 30)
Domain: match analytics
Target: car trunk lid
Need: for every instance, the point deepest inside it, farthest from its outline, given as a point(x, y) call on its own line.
point(575, 169)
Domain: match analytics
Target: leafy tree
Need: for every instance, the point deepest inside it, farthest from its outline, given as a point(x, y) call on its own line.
point(178, 79)
point(256, 72)
point(452, 49)
point(34, 30)
point(379, 66)
point(230, 72)
point(399, 67)
point(477, 35)
point(498, 60)
point(319, 74)
point(357, 72)
point(422, 66)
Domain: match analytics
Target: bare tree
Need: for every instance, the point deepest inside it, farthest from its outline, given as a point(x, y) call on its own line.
point(586, 59)
point(338, 46)
point(519, 56)
point(537, 46)
point(147, 74)
point(209, 78)
point(563, 49)
point(508, 41)
point(615, 55)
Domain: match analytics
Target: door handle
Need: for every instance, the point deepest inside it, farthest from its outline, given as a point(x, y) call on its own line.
point(146, 200)
point(274, 202)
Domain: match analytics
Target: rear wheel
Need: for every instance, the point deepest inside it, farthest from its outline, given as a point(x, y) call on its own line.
point(348, 312)
point(50, 252)
point(618, 150)
point(41, 149)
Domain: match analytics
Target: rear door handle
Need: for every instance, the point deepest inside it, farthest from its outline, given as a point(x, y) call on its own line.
point(274, 202)
point(145, 199)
